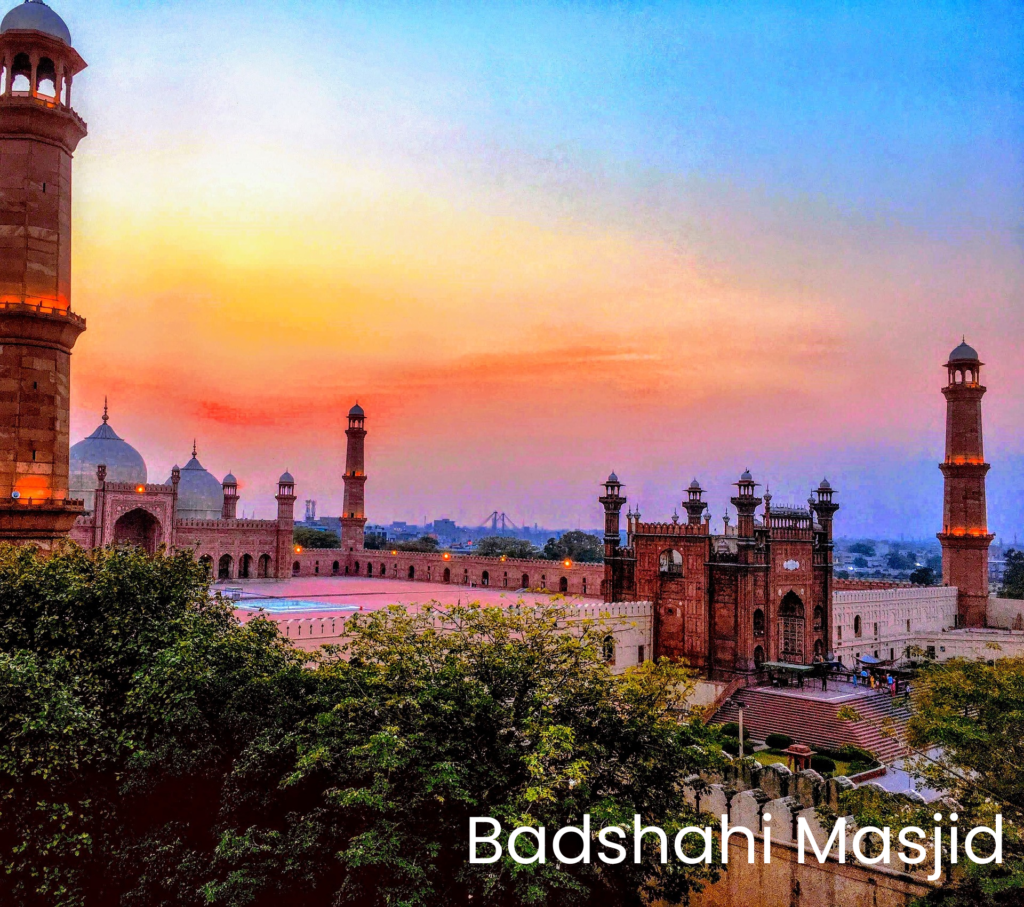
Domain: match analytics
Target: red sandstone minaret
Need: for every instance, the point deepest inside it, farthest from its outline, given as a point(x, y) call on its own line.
point(965, 537)
point(353, 516)
point(38, 135)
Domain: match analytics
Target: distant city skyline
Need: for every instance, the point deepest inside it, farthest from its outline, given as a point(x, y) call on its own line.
point(541, 242)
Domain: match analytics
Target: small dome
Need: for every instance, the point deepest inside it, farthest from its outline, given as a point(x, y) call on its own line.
point(229, 479)
point(286, 479)
point(695, 484)
point(612, 478)
point(964, 353)
point(746, 477)
point(34, 15)
point(824, 484)
point(124, 463)
point(356, 412)
point(200, 495)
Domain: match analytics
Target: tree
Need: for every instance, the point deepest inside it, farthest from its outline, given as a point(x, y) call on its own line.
point(423, 543)
point(967, 731)
point(1013, 575)
point(865, 548)
point(155, 752)
point(923, 576)
point(500, 545)
point(375, 541)
point(576, 546)
point(861, 562)
point(900, 560)
point(127, 699)
point(315, 538)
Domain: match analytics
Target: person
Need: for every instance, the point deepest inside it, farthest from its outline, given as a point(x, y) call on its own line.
point(856, 679)
point(865, 677)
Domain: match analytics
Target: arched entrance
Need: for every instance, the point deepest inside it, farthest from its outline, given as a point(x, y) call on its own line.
point(245, 567)
point(206, 562)
point(525, 584)
point(670, 563)
point(412, 572)
point(140, 528)
point(758, 657)
point(263, 566)
point(447, 575)
point(563, 584)
point(224, 566)
point(791, 628)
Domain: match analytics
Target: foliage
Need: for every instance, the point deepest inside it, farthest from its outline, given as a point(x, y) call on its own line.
point(899, 560)
point(923, 576)
point(1013, 575)
point(315, 538)
point(778, 741)
point(375, 541)
point(967, 730)
point(427, 543)
point(822, 763)
point(154, 752)
point(865, 548)
point(505, 546)
point(576, 546)
point(861, 562)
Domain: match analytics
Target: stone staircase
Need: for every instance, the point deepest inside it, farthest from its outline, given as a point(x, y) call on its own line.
point(815, 722)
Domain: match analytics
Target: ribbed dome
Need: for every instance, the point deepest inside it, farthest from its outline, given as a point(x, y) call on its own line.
point(229, 479)
point(200, 496)
point(356, 412)
point(34, 15)
point(124, 463)
point(286, 478)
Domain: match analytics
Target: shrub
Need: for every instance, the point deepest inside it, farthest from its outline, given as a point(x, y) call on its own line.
point(731, 746)
point(822, 764)
point(731, 729)
point(778, 741)
point(850, 753)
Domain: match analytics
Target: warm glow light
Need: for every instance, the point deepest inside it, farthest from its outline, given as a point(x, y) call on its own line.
point(567, 562)
point(298, 549)
point(447, 556)
point(140, 488)
point(394, 552)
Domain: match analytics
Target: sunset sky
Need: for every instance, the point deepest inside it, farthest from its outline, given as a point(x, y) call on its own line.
point(538, 242)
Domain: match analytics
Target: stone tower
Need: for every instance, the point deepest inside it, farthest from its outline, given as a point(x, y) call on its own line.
point(612, 501)
point(965, 537)
point(38, 135)
point(353, 516)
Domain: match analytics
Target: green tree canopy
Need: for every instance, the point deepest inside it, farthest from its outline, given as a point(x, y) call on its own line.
point(1013, 575)
point(967, 731)
point(923, 576)
point(577, 546)
point(155, 752)
point(865, 548)
point(315, 538)
point(499, 545)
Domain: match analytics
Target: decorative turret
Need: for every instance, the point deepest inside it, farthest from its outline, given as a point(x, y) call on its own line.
point(695, 504)
point(746, 504)
point(38, 135)
point(823, 507)
point(612, 502)
point(230, 486)
point(965, 537)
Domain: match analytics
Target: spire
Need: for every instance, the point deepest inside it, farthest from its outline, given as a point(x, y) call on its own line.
point(105, 416)
point(193, 448)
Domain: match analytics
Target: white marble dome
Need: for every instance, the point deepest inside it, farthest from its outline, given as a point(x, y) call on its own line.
point(200, 495)
point(34, 15)
point(124, 463)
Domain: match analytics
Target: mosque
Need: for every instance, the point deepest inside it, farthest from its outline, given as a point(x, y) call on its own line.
point(761, 592)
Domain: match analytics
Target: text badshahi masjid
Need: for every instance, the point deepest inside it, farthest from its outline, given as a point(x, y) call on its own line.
point(760, 594)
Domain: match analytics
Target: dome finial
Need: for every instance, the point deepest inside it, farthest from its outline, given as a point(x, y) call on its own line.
point(105, 416)
point(193, 447)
